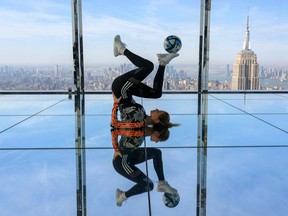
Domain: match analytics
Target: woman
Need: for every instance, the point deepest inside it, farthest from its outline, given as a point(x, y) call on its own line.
point(128, 154)
point(130, 83)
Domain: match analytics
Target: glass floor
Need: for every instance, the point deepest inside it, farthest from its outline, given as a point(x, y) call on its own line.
point(246, 156)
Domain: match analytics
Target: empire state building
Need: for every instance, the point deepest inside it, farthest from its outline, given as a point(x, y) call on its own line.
point(245, 74)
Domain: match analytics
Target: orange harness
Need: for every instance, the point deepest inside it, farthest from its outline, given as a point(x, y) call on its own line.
point(132, 133)
point(123, 125)
point(132, 129)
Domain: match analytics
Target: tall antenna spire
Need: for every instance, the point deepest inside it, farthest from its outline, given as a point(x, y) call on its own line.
point(246, 44)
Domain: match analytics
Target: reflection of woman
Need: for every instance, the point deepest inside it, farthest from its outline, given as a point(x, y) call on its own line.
point(127, 154)
point(130, 83)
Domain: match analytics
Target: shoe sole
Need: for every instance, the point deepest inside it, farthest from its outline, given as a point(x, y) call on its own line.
point(117, 38)
point(118, 195)
point(171, 191)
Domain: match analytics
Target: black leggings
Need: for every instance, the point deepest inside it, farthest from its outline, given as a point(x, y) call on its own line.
point(125, 166)
point(130, 83)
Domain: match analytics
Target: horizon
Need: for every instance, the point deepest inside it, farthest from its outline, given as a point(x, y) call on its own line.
point(278, 67)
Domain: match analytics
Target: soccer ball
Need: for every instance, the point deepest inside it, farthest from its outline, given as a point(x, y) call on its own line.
point(171, 200)
point(172, 44)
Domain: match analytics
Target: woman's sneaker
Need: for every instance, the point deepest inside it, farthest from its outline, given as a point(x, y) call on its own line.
point(165, 58)
point(120, 197)
point(163, 186)
point(119, 46)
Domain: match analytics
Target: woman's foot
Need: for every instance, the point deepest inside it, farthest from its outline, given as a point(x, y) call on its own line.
point(120, 197)
point(119, 46)
point(165, 58)
point(163, 186)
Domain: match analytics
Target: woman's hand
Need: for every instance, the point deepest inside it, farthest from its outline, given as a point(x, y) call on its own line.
point(115, 99)
point(116, 153)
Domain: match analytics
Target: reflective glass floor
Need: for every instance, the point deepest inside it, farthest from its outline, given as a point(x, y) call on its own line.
point(246, 157)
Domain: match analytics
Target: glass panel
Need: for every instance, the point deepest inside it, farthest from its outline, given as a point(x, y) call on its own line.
point(247, 181)
point(37, 182)
point(237, 166)
point(37, 121)
point(250, 122)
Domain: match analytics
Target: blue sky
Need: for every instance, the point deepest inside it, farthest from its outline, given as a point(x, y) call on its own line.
point(39, 31)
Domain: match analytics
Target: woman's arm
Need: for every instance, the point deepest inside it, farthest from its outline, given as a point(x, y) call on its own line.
point(114, 119)
point(115, 144)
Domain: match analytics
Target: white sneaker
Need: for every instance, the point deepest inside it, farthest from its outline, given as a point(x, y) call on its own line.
point(163, 186)
point(164, 59)
point(119, 46)
point(120, 197)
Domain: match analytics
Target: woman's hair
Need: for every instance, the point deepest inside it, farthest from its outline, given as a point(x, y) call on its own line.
point(164, 134)
point(163, 126)
point(164, 122)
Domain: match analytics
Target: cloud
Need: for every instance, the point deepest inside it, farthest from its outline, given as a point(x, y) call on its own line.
point(105, 24)
point(36, 29)
point(18, 24)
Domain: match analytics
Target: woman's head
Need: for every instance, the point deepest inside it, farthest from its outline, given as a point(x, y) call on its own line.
point(161, 125)
point(160, 135)
point(161, 118)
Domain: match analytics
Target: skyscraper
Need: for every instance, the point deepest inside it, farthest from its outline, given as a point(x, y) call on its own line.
point(246, 69)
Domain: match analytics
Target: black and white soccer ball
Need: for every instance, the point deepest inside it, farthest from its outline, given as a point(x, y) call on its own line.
point(172, 44)
point(171, 200)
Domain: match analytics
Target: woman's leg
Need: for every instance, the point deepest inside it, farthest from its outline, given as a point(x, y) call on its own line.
point(138, 156)
point(144, 65)
point(126, 84)
point(142, 90)
point(130, 83)
point(131, 172)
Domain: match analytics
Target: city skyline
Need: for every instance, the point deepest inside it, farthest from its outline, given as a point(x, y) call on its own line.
point(177, 77)
point(40, 32)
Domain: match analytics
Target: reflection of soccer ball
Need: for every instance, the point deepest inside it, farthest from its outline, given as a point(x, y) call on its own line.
point(171, 200)
point(172, 44)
